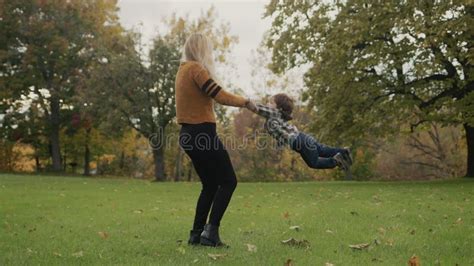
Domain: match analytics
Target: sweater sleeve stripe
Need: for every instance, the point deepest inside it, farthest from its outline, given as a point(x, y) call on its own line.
point(206, 84)
point(215, 92)
point(209, 90)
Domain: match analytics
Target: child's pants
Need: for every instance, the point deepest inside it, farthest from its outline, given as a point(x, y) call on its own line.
point(315, 155)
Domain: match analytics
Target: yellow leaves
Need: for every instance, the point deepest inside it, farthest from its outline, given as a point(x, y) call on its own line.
point(226, 41)
point(288, 262)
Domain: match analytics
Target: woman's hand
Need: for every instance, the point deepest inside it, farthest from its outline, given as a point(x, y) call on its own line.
point(251, 106)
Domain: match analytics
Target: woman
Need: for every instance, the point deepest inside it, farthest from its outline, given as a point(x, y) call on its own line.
point(195, 91)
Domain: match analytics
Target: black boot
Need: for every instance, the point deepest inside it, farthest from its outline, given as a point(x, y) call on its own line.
point(194, 236)
point(210, 236)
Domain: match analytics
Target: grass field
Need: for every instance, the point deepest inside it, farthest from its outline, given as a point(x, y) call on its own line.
point(48, 220)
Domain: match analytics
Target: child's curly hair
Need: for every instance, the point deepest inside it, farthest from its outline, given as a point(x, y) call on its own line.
point(285, 104)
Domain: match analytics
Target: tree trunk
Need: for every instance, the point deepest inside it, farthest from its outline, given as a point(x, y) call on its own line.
point(87, 155)
point(122, 160)
point(37, 163)
point(470, 150)
point(159, 161)
point(64, 162)
point(178, 166)
point(54, 124)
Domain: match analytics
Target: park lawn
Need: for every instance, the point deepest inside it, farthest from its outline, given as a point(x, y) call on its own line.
point(52, 220)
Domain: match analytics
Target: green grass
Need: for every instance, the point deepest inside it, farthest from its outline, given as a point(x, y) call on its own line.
point(55, 221)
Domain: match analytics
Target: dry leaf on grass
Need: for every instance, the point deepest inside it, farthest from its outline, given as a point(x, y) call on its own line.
point(296, 242)
point(288, 262)
point(216, 256)
point(295, 227)
point(286, 215)
point(57, 254)
point(29, 250)
point(360, 246)
point(414, 261)
point(78, 254)
point(103, 235)
point(328, 264)
point(138, 211)
point(251, 248)
point(181, 250)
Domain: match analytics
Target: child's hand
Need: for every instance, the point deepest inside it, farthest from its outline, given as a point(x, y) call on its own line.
point(251, 106)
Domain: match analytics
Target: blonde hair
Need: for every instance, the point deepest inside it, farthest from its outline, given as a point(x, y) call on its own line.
point(198, 47)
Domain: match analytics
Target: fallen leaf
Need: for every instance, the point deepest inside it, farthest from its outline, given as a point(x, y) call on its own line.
point(138, 211)
point(296, 242)
point(181, 250)
point(329, 231)
point(78, 254)
point(295, 227)
point(103, 235)
point(389, 242)
point(216, 256)
point(360, 246)
point(458, 221)
point(414, 261)
point(288, 262)
point(251, 248)
point(328, 264)
point(57, 254)
point(286, 215)
point(29, 250)
point(195, 260)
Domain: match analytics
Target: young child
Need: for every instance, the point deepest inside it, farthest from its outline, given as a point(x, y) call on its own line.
point(315, 155)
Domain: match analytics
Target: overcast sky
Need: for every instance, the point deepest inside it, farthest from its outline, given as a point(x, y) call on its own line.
point(244, 17)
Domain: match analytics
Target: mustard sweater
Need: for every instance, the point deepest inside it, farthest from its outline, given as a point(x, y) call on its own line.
point(195, 91)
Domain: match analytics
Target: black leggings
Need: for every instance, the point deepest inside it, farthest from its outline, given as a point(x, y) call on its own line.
point(213, 165)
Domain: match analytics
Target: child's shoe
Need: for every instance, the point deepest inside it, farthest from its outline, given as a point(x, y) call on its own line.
point(341, 162)
point(347, 155)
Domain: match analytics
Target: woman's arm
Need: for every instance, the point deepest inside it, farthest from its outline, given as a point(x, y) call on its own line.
point(213, 90)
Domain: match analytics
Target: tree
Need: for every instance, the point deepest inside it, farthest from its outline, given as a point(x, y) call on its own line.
point(376, 67)
point(49, 45)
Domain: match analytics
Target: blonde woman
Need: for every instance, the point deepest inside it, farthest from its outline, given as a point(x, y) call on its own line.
point(196, 90)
